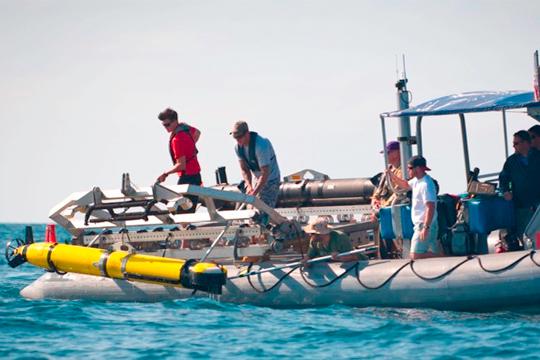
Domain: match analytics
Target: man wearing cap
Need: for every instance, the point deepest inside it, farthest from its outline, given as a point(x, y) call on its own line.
point(258, 163)
point(183, 150)
point(384, 195)
point(323, 242)
point(424, 243)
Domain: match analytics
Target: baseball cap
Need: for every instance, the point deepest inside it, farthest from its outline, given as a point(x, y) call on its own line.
point(418, 161)
point(390, 146)
point(240, 128)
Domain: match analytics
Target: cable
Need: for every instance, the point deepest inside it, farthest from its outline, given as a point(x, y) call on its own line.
point(514, 263)
point(443, 274)
point(532, 258)
point(273, 286)
point(385, 282)
point(330, 282)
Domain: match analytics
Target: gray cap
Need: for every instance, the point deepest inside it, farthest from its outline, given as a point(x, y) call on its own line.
point(240, 128)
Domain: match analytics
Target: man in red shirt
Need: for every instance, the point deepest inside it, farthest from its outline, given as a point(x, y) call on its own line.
point(183, 151)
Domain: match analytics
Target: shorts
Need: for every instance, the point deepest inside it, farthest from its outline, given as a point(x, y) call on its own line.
point(269, 193)
point(192, 180)
point(430, 244)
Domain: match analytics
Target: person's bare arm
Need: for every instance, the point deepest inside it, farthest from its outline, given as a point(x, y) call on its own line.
point(246, 175)
point(430, 211)
point(399, 182)
point(178, 166)
point(261, 181)
point(196, 135)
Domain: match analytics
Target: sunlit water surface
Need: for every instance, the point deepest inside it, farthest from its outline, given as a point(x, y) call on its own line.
point(201, 328)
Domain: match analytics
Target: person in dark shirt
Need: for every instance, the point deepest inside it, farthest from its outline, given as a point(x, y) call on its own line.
point(323, 241)
point(518, 182)
point(534, 133)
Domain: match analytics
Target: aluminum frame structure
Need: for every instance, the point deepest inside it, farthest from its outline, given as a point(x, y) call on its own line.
point(161, 203)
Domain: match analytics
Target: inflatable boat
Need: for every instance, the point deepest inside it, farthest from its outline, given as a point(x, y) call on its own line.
point(139, 244)
point(479, 283)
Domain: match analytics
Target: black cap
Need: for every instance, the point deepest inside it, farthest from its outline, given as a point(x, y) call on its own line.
point(418, 161)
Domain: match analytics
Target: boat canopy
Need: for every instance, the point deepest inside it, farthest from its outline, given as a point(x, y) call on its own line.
point(477, 101)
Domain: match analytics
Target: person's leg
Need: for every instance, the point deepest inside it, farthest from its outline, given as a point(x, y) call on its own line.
point(418, 248)
point(523, 217)
point(434, 245)
point(426, 248)
point(191, 180)
point(269, 193)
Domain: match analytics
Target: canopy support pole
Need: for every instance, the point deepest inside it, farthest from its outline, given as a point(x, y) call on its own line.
point(465, 146)
point(505, 130)
point(383, 127)
point(419, 145)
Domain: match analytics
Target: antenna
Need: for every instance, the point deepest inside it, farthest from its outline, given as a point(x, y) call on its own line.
point(404, 71)
point(536, 81)
point(397, 67)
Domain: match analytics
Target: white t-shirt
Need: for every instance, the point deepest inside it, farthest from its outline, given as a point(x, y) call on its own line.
point(423, 191)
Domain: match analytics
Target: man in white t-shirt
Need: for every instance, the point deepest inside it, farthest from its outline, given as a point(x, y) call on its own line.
point(424, 243)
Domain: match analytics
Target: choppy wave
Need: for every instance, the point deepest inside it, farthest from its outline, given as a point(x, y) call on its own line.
point(202, 328)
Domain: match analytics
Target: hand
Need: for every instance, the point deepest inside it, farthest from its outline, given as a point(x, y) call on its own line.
point(251, 192)
point(249, 189)
point(334, 256)
point(424, 233)
point(162, 177)
point(305, 262)
point(507, 196)
point(375, 204)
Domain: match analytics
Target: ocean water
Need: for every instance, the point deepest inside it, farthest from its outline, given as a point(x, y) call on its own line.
point(203, 328)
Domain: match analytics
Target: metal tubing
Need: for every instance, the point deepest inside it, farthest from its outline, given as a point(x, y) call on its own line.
point(419, 145)
point(404, 137)
point(383, 127)
point(505, 132)
point(312, 191)
point(215, 242)
point(465, 146)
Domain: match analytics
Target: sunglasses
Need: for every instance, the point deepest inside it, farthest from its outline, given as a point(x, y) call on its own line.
point(238, 135)
point(166, 124)
point(410, 167)
point(517, 143)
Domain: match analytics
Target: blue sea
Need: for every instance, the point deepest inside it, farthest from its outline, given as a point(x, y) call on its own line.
point(204, 328)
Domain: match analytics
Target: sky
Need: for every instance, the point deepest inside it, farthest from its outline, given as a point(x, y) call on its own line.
point(83, 82)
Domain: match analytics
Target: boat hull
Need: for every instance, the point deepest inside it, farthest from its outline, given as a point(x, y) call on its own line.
point(481, 283)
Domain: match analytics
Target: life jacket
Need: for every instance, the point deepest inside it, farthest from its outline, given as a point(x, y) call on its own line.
point(250, 160)
point(187, 129)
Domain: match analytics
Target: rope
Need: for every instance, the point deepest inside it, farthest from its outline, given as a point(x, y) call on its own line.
point(273, 286)
point(328, 283)
point(532, 258)
point(167, 243)
point(410, 263)
point(385, 282)
point(514, 263)
point(52, 266)
point(443, 274)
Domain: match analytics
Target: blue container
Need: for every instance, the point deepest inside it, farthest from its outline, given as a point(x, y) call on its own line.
point(385, 219)
point(489, 213)
point(389, 228)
